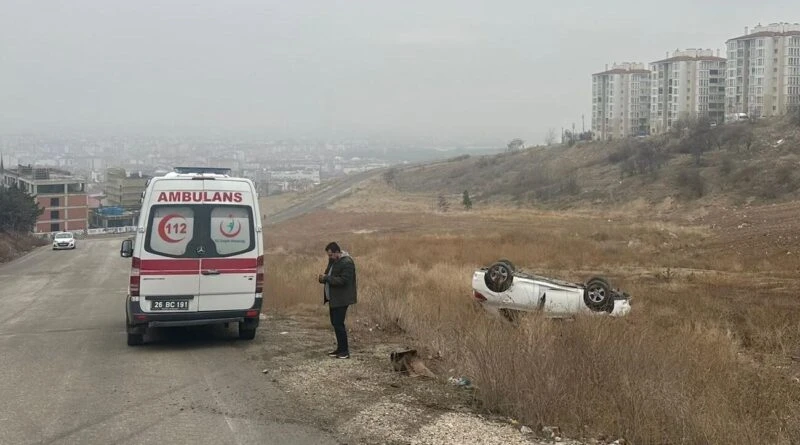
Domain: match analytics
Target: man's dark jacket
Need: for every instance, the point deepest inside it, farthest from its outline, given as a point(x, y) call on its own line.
point(341, 276)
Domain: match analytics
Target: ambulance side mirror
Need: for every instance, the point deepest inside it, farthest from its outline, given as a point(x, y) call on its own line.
point(126, 251)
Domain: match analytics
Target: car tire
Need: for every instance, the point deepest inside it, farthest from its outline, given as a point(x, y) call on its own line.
point(247, 333)
point(510, 264)
point(499, 277)
point(135, 339)
point(597, 294)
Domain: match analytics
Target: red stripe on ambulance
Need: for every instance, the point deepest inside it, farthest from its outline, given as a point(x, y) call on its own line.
point(170, 267)
point(194, 266)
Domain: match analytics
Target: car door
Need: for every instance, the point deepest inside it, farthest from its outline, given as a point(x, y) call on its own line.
point(562, 301)
point(170, 266)
point(228, 269)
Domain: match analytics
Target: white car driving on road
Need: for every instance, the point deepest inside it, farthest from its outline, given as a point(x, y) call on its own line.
point(63, 240)
point(503, 290)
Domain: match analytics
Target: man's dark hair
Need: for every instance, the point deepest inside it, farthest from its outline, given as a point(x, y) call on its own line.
point(333, 247)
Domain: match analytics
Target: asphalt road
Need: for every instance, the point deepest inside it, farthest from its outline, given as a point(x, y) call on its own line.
point(323, 198)
point(68, 377)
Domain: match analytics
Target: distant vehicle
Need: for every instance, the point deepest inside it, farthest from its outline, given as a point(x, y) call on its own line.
point(198, 256)
point(741, 117)
point(502, 290)
point(63, 240)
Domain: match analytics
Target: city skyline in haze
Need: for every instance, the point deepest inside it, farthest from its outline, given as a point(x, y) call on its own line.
point(466, 72)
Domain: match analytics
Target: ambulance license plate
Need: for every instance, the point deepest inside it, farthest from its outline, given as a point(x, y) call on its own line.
point(169, 305)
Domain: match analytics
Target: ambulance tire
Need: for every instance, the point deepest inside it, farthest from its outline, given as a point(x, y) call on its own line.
point(247, 333)
point(135, 339)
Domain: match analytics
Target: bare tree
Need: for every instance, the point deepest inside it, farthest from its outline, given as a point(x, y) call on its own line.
point(550, 137)
point(516, 144)
point(739, 135)
point(442, 204)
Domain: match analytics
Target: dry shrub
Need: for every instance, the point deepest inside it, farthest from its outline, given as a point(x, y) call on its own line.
point(691, 183)
point(13, 245)
point(624, 378)
point(291, 280)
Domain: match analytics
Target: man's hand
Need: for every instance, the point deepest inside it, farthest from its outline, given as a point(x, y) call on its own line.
point(321, 278)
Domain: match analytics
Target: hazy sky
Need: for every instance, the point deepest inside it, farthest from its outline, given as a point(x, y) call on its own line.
point(456, 70)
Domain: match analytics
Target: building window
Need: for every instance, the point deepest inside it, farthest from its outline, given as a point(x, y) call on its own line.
point(53, 202)
point(54, 214)
point(55, 227)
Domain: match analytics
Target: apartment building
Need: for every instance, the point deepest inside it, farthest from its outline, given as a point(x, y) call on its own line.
point(763, 72)
point(123, 189)
point(621, 101)
point(62, 196)
point(687, 83)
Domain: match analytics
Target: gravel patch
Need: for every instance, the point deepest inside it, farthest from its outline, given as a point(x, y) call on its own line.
point(459, 428)
point(383, 422)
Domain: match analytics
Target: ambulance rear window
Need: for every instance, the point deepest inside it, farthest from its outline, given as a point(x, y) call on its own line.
point(231, 229)
point(171, 230)
point(200, 230)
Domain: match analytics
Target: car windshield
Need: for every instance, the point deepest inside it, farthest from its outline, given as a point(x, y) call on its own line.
point(64, 236)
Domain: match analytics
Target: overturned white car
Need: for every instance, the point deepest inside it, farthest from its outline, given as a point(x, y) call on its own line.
point(503, 290)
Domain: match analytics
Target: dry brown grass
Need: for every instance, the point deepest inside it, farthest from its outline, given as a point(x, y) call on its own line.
point(275, 203)
point(13, 245)
point(704, 358)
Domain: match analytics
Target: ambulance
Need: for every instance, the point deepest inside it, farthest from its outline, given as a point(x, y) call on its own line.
point(198, 254)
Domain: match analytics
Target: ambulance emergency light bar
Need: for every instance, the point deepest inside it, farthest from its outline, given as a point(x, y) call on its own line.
point(202, 170)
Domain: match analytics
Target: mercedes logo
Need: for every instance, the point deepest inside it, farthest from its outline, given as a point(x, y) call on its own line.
point(201, 250)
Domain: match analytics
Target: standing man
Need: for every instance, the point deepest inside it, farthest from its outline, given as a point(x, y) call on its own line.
point(340, 292)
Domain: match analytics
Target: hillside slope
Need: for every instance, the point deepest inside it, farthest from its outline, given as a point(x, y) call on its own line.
point(14, 245)
point(733, 164)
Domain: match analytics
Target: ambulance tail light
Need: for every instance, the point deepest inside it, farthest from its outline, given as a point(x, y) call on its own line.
point(133, 285)
point(260, 274)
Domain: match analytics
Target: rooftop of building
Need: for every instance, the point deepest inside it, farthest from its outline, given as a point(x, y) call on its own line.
point(625, 68)
point(691, 55)
point(691, 59)
point(771, 30)
point(622, 71)
point(42, 174)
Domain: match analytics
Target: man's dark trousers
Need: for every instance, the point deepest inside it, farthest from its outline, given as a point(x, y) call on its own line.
point(337, 320)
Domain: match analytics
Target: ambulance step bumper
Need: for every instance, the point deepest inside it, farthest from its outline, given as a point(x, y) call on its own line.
point(177, 323)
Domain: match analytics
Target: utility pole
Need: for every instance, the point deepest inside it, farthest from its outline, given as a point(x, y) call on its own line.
point(583, 124)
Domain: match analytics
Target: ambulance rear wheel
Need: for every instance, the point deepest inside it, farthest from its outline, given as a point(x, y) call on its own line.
point(247, 334)
point(135, 339)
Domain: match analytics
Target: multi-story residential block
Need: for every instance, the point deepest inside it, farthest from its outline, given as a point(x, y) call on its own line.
point(62, 196)
point(763, 72)
point(123, 189)
point(688, 83)
point(621, 101)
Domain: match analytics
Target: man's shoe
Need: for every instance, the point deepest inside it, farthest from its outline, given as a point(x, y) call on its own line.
point(343, 355)
point(333, 353)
